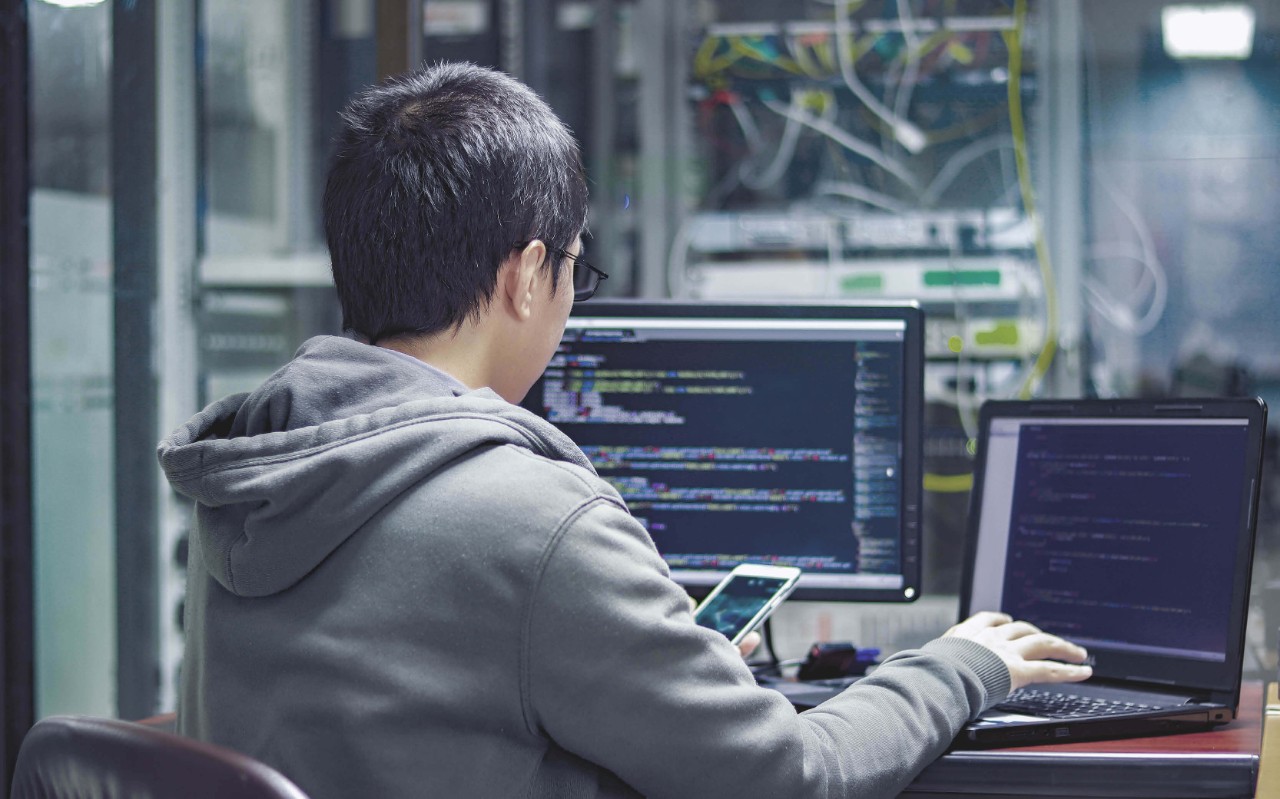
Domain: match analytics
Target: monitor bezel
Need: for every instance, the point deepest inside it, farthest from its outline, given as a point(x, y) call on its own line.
point(910, 510)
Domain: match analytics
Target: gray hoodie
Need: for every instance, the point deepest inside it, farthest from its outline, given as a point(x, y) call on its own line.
point(398, 587)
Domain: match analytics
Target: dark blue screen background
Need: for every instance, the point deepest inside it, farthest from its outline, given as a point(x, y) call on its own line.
point(1127, 533)
point(820, 422)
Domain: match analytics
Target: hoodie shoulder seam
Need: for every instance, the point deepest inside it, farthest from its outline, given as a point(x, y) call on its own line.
point(285, 457)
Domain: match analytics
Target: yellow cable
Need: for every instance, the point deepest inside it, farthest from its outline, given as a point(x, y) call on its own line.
point(805, 62)
point(857, 49)
point(740, 45)
point(960, 51)
point(705, 62)
point(1013, 40)
point(825, 58)
point(725, 61)
point(702, 58)
point(925, 47)
point(947, 483)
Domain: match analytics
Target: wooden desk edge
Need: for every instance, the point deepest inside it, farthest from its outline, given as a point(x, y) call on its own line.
point(1218, 762)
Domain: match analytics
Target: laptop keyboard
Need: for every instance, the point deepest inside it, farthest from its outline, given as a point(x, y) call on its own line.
point(1057, 705)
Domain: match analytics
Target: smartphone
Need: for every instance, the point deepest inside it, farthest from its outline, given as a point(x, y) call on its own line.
point(745, 598)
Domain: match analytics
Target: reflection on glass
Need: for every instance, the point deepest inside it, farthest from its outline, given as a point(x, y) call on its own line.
point(251, 133)
point(274, 76)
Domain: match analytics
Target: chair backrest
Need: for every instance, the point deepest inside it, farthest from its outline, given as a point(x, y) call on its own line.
point(94, 758)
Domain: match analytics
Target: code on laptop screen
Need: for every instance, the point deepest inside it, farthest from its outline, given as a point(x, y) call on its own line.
point(1124, 535)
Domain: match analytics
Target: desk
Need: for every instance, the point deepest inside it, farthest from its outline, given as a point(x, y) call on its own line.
point(1215, 764)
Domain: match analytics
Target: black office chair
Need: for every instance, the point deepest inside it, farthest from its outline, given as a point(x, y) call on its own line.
point(81, 757)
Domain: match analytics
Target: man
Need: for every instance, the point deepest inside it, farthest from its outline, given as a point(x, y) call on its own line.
point(401, 584)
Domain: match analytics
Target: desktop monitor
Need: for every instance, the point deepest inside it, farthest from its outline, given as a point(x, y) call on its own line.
point(745, 433)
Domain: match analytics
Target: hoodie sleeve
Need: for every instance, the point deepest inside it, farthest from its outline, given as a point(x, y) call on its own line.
point(616, 671)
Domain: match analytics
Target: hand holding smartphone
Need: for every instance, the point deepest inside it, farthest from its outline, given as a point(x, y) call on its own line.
point(745, 598)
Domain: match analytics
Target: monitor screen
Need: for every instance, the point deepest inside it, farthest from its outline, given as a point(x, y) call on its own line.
point(777, 434)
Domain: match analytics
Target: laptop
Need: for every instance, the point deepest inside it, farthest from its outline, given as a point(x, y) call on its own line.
point(1126, 526)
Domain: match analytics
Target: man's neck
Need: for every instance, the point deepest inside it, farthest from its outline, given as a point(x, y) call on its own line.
point(470, 354)
point(505, 345)
point(455, 356)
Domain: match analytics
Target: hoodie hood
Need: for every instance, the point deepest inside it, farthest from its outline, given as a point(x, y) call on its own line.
point(283, 476)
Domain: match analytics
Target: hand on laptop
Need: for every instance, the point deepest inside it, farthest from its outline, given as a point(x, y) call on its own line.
point(1024, 649)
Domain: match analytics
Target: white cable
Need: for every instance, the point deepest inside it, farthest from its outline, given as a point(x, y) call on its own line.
point(961, 159)
point(906, 85)
point(835, 258)
point(1125, 251)
point(721, 190)
point(781, 159)
point(910, 136)
point(1009, 196)
point(1008, 173)
point(908, 29)
point(1150, 258)
point(1119, 316)
point(677, 258)
point(856, 191)
point(1158, 282)
point(755, 142)
point(862, 148)
point(1122, 315)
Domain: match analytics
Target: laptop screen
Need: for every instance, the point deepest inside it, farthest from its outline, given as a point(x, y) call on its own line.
point(1128, 535)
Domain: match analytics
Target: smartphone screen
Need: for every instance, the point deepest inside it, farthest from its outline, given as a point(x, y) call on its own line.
point(738, 603)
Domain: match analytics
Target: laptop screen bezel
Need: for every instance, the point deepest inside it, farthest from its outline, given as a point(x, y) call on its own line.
point(1222, 677)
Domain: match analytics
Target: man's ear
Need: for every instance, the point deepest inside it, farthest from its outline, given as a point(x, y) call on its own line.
point(521, 275)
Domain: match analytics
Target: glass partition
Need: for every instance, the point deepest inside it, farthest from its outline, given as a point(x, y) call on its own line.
point(72, 345)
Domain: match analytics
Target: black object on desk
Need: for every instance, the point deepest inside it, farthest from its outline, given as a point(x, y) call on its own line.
point(837, 659)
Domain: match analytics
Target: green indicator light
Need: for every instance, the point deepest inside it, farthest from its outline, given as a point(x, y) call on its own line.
point(1004, 333)
point(971, 446)
point(955, 344)
point(869, 281)
point(962, 277)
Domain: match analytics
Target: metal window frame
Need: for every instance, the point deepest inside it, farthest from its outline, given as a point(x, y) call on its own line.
point(16, 614)
point(135, 255)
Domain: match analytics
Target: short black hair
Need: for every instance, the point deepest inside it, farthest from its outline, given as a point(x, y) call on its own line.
point(437, 175)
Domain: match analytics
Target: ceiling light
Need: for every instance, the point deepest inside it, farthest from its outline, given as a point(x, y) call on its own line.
point(1208, 31)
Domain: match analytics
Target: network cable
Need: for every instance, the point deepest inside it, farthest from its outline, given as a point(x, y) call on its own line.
point(1040, 367)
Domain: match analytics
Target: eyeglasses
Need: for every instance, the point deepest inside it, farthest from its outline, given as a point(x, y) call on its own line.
point(586, 278)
